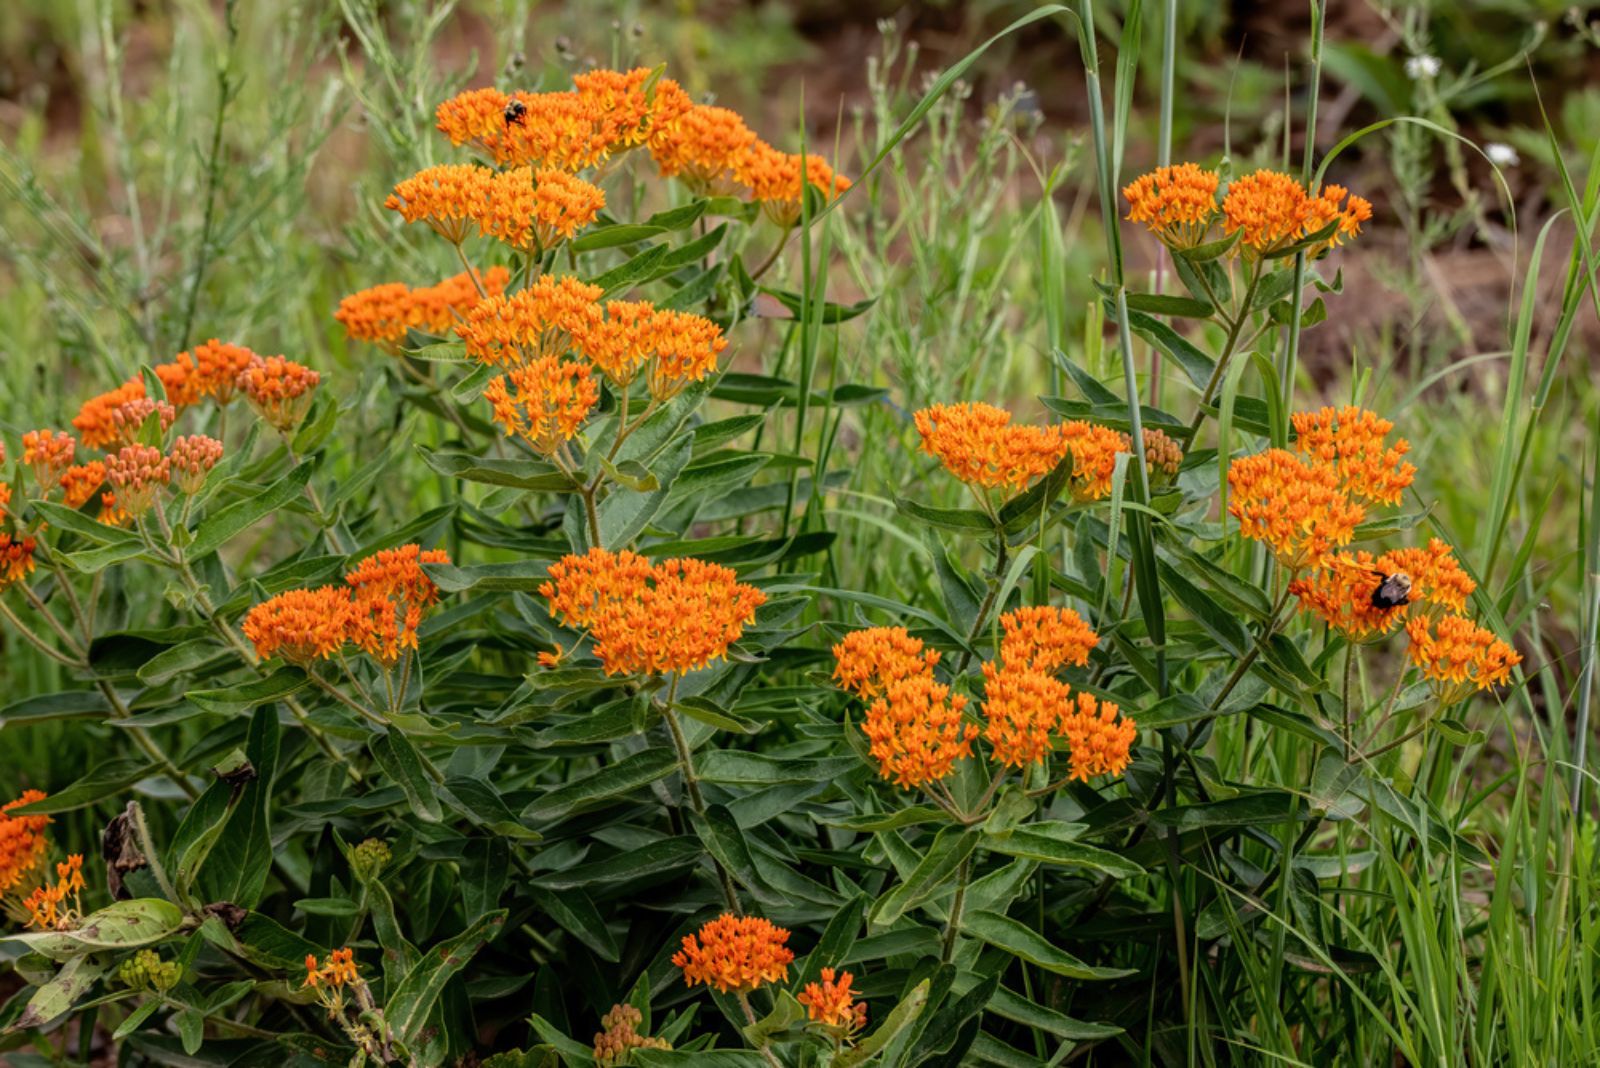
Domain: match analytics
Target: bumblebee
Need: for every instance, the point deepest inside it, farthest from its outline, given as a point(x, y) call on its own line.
point(516, 113)
point(1393, 590)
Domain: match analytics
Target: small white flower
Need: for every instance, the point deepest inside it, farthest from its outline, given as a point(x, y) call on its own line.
point(1422, 67)
point(1502, 154)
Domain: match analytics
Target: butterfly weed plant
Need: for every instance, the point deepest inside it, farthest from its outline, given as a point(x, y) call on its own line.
point(590, 765)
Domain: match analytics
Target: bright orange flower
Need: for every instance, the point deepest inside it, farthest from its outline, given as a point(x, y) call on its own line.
point(95, 423)
point(1353, 441)
point(1021, 707)
point(389, 592)
point(544, 402)
point(676, 616)
point(1094, 457)
point(23, 841)
point(678, 347)
point(5, 494)
point(339, 969)
point(915, 732)
point(47, 906)
point(138, 472)
point(191, 458)
point(383, 313)
point(538, 321)
point(867, 661)
point(217, 366)
point(1100, 740)
point(777, 179)
point(301, 625)
point(80, 482)
point(1437, 578)
point(703, 147)
point(1342, 592)
point(832, 1003)
point(1299, 509)
point(1177, 203)
point(112, 514)
point(451, 198)
point(437, 308)
point(49, 452)
point(1457, 656)
point(16, 559)
point(536, 210)
point(1270, 207)
point(735, 953)
point(1332, 203)
point(1044, 638)
point(279, 390)
point(562, 130)
point(632, 105)
point(978, 444)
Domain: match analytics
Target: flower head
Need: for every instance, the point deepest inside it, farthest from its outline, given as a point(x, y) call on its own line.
point(832, 1003)
point(80, 482)
point(735, 953)
point(915, 732)
point(1299, 509)
point(1353, 442)
point(436, 308)
point(1022, 707)
point(1438, 581)
point(451, 198)
point(1335, 202)
point(544, 402)
point(23, 842)
point(389, 591)
point(675, 616)
point(301, 625)
point(778, 180)
point(867, 662)
point(1270, 207)
point(1099, 738)
point(128, 418)
point(191, 458)
point(48, 906)
point(1177, 204)
point(571, 131)
point(1044, 638)
point(217, 367)
point(1343, 593)
point(95, 423)
point(538, 321)
point(978, 444)
point(633, 104)
point(383, 313)
point(677, 347)
point(279, 390)
point(1457, 656)
point(619, 1036)
point(16, 559)
point(703, 148)
point(338, 969)
point(49, 453)
point(536, 210)
point(1162, 455)
point(1094, 457)
point(138, 472)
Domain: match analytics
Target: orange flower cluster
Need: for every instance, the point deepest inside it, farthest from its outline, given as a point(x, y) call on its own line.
point(1044, 638)
point(527, 209)
point(1353, 442)
point(138, 472)
point(211, 370)
point(543, 402)
point(191, 458)
point(301, 625)
point(832, 1003)
point(1178, 203)
point(678, 347)
point(80, 481)
point(541, 320)
point(735, 953)
point(451, 198)
point(1094, 457)
point(703, 147)
point(383, 313)
point(675, 616)
point(48, 907)
point(214, 370)
point(337, 970)
point(279, 390)
point(915, 732)
point(23, 844)
point(1457, 656)
point(1098, 737)
point(1271, 210)
point(1300, 509)
point(1346, 593)
point(49, 453)
point(96, 422)
point(389, 592)
point(778, 180)
point(608, 112)
point(978, 444)
point(868, 661)
point(16, 559)
point(1021, 707)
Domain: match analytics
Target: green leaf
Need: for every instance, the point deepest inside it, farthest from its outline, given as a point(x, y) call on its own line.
point(241, 859)
point(641, 268)
point(489, 471)
point(55, 999)
point(626, 775)
point(965, 521)
point(122, 925)
point(408, 1006)
point(1029, 1013)
point(102, 781)
point(575, 913)
point(1258, 809)
point(1196, 364)
point(886, 821)
point(830, 313)
point(1024, 943)
point(613, 236)
point(1211, 250)
point(663, 855)
point(72, 704)
point(832, 948)
point(724, 840)
point(64, 518)
point(328, 906)
point(933, 875)
point(232, 700)
point(784, 1015)
point(400, 761)
point(624, 513)
point(222, 527)
point(1031, 843)
point(899, 1018)
point(1162, 304)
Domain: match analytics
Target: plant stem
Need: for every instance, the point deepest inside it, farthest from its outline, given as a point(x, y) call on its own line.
point(750, 1016)
point(1000, 551)
point(1228, 349)
point(691, 787)
point(953, 925)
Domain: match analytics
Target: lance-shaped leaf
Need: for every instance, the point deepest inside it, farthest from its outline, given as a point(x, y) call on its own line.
point(1024, 943)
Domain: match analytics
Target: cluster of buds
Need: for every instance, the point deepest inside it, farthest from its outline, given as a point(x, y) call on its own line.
point(49, 453)
point(279, 390)
point(138, 472)
point(145, 970)
point(192, 457)
point(614, 1045)
point(369, 858)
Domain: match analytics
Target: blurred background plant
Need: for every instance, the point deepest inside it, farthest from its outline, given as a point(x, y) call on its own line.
point(182, 171)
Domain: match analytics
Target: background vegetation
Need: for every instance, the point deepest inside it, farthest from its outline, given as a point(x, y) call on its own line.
point(190, 171)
